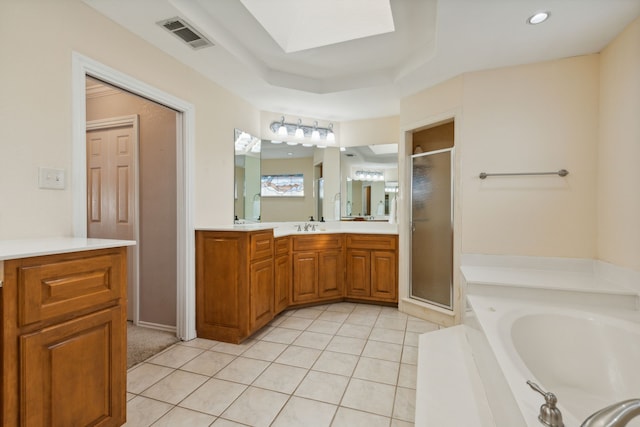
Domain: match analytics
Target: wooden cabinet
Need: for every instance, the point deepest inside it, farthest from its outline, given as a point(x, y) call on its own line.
point(318, 268)
point(372, 267)
point(234, 283)
point(64, 339)
point(282, 274)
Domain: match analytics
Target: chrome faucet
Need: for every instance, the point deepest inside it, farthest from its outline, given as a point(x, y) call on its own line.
point(549, 415)
point(616, 415)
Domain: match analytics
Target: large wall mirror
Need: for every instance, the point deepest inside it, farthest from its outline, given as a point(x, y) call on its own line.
point(277, 182)
point(369, 182)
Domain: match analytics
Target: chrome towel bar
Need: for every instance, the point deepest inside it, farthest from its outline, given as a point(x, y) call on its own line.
point(561, 172)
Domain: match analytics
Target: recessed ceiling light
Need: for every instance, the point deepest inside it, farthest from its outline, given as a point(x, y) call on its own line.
point(538, 18)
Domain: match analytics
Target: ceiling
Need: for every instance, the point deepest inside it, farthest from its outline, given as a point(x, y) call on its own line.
point(344, 60)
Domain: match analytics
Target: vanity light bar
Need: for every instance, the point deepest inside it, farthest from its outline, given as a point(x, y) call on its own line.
point(314, 132)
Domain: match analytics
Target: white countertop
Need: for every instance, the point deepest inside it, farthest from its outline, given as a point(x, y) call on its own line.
point(291, 228)
point(22, 248)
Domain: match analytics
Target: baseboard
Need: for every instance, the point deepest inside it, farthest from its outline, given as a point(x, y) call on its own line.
point(157, 326)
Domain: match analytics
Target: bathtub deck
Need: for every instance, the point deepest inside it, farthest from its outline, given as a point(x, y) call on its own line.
point(449, 390)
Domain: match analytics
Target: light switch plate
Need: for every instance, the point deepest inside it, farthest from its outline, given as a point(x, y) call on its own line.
point(51, 178)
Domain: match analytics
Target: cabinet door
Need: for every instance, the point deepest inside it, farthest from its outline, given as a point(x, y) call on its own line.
point(282, 283)
point(261, 279)
point(330, 274)
point(305, 276)
point(358, 272)
point(384, 275)
point(74, 373)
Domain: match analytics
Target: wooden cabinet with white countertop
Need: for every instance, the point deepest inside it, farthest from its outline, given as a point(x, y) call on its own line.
point(64, 334)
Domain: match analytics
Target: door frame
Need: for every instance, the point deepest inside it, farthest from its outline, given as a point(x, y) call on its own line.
point(110, 123)
point(82, 66)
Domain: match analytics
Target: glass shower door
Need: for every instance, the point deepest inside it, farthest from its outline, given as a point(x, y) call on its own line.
point(432, 227)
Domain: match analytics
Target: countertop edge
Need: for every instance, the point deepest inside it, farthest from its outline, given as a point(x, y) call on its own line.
point(24, 248)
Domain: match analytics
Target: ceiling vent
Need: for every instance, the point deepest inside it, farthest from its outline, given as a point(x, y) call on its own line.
point(185, 32)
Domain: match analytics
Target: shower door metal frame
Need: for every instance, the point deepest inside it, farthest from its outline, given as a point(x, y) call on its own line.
point(451, 221)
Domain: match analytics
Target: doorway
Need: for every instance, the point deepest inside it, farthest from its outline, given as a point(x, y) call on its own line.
point(185, 160)
point(432, 172)
point(131, 193)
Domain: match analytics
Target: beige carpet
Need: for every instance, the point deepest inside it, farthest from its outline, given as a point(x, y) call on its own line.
point(142, 343)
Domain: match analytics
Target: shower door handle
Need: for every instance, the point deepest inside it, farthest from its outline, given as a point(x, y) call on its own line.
point(413, 226)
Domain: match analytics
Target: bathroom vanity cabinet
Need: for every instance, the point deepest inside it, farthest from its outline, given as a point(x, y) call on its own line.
point(234, 283)
point(318, 272)
point(64, 339)
point(372, 267)
point(245, 278)
point(282, 273)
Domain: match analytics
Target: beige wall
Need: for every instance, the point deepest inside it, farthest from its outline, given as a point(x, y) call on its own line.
point(619, 151)
point(289, 208)
point(382, 130)
point(157, 200)
point(539, 117)
point(35, 104)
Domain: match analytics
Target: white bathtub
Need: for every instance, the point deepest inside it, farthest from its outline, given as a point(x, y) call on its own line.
point(589, 359)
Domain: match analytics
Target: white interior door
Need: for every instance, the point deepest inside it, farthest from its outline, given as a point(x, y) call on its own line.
point(112, 147)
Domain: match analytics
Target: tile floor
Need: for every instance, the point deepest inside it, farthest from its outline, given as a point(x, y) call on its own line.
point(340, 364)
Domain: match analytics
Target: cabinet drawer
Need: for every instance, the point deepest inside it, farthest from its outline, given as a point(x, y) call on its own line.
point(261, 244)
point(372, 241)
point(52, 288)
point(317, 242)
point(282, 245)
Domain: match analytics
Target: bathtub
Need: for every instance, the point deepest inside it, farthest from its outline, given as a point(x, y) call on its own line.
point(588, 357)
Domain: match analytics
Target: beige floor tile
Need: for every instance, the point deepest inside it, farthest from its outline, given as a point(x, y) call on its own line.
point(411, 338)
point(362, 319)
point(242, 370)
point(404, 407)
point(312, 340)
point(235, 349)
point(263, 332)
point(370, 309)
point(307, 313)
point(346, 417)
point(383, 350)
point(176, 356)
point(142, 412)
point(354, 331)
point(392, 312)
point(221, 422)
point(213, 397)
point(342, 307)
point(323, 387)
point(333, 316)
point(408, 376)
point(175, 386)
point(145, 375)
point(410, 355)
point(324, 327)
point(208, 363)
point(382, 371)
point(200, 343)
point(346, 345)
point(303, 412)
point(296, 323)
point(336, 363)
point(282, 378)
point(301, 357)
point(369, 396)
point(180, 417)
point(420, 326)
point(256, 407)
point(265, 350)
point(130, 396)
point(282, 335)
point(387, 335)
point(400, 423)
point(398, 324)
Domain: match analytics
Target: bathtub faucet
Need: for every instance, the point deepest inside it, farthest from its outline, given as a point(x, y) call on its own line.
point(549, 415)
point(616, 415)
